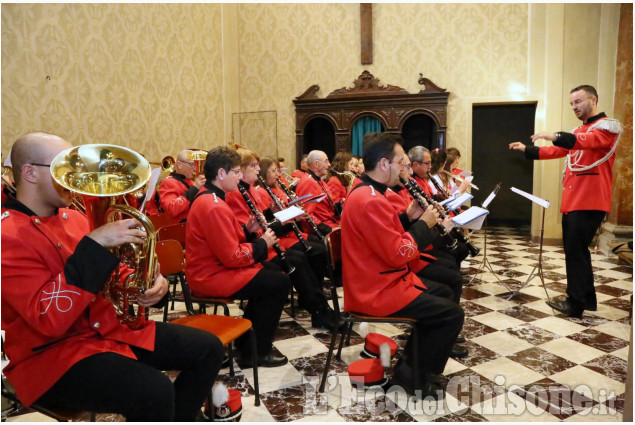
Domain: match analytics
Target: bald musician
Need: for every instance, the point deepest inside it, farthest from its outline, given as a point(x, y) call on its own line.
point(65, 344)
point(379, 264)
point(325, 213)
point(177, 191)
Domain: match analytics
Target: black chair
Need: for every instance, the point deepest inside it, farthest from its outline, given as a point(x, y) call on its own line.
point(333, 243)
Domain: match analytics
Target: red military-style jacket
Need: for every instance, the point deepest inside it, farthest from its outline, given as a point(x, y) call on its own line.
point(53, 312)
point(338, 190)
point(261, 200)
point(585, 186)
point(298, 174)
point(396, 200)
point(219, 260)
point(427, 187)
point(176, 194)
point(378, 255)
point(320, 212)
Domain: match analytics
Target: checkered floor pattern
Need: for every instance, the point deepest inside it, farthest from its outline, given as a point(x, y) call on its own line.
point(525, 363)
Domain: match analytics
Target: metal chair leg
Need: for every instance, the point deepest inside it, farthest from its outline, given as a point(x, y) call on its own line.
point(254, 362)
point(230, 354)
point(328, 360)
point(347, 329)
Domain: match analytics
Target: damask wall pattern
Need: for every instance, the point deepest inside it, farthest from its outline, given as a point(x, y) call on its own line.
point(473, 50)
point(146, 76)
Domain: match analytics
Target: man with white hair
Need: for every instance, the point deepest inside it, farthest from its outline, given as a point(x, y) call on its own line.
point(323, 212)
point(177, 191)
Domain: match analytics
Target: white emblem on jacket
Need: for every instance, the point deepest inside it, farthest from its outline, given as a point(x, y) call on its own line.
point(407, 248)
point(57, 295)
point(243, 255)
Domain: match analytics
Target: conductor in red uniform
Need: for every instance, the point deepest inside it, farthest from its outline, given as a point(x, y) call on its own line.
point(380, 259)
point(586, 193)
point(66, 346)
point(178, 190)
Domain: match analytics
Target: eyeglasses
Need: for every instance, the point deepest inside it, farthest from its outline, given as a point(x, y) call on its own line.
point(577, 102)
point(400, 163)
point(424, 163)
point(252, 164)
point(274, 171)
point(236, 171)
point(191, 164)
point(40, 165)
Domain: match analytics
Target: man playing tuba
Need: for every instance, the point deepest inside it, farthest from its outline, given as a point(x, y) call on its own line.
point(66, 346)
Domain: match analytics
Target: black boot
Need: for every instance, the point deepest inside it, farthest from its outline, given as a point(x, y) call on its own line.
point(325, 317)
point(568, 307)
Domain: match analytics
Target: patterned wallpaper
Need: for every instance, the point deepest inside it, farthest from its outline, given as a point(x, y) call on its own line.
point(140, 75)
point(472, 50)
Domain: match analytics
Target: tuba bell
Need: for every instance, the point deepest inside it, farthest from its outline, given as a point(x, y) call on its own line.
point(101, 175)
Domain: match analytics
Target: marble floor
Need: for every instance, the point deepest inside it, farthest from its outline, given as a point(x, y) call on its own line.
point(526, 362)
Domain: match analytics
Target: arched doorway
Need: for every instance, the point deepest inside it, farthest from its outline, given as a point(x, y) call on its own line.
point(419, 130)
point(319, 134)
point(362, 126)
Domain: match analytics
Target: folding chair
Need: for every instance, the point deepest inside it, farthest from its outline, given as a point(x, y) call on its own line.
point(333, 243)
point(226, 328)
point(161, 220)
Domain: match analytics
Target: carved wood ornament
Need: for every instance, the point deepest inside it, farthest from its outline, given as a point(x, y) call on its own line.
point(391, 105)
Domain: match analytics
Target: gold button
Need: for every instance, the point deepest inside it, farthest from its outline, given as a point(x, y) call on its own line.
point(37, 221)
point(65, 216)
point(96, 325)
point(59, 245)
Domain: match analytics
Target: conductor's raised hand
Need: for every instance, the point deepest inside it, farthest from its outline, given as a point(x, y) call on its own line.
point(517, 146)
point(118, 232)
point(543, 135)
point(154, 294)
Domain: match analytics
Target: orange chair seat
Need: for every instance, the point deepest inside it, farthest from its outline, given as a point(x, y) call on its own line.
point(226, 328)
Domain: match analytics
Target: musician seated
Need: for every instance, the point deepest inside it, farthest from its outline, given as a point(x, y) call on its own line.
point(378, 264)
point(222, 263)
point(178, 190)
point(66, 346)
point(302, 170)
point(441, 163)
point(305, 281)
point(453, 162)
point(339, 183)
point(324, 213)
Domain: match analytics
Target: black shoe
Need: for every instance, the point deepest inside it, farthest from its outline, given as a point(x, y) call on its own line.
point(458, 352)
point(432, 390)
point(591, 307)
point(270, 360)
point(566, 307)
point(325, 317)
point(430, 385)
point(460, 339)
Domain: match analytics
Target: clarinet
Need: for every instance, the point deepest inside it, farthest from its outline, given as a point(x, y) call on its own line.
point(439, 188)
point(456, 233)
point(263, 225)
point(447, 238)
point(308, 219)
point(278, 203)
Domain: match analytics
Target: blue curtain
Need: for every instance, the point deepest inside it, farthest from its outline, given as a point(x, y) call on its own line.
point(362, 126)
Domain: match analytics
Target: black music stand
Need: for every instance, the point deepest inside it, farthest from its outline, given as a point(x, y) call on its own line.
point(537, 270)
point(485, 261)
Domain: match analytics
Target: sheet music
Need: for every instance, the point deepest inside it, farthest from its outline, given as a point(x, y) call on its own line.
point(288, 214)
point(460, 200)
point(542, 202)
point(470, 215)
point(489, 199)
point(447, 201)
point(300, 199)
point(152, 184)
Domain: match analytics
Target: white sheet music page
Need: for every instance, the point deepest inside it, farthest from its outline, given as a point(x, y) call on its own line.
point(542, 202)
point(152, 184)
point(288, 214)
point(460, 200)
point(472, 218)
point(489, 199)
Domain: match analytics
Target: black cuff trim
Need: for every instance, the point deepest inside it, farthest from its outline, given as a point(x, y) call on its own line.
point(421, 234)
point(190, 194)
point(405, 221)
point(90, 266)
point(565, 140)
point(259, 247)
point(268, 214)
point(532, 152)
point(324, 229)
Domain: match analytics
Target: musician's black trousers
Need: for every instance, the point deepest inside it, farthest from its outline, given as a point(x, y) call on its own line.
point(441, 272)
point(310, 295)
point(439, 320)
point(459, 254)
point(316, 257)
point(266, 295)
point(578, 229)
point(137, 389)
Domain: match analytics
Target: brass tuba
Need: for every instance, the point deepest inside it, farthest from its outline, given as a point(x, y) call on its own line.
point(101, 175)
